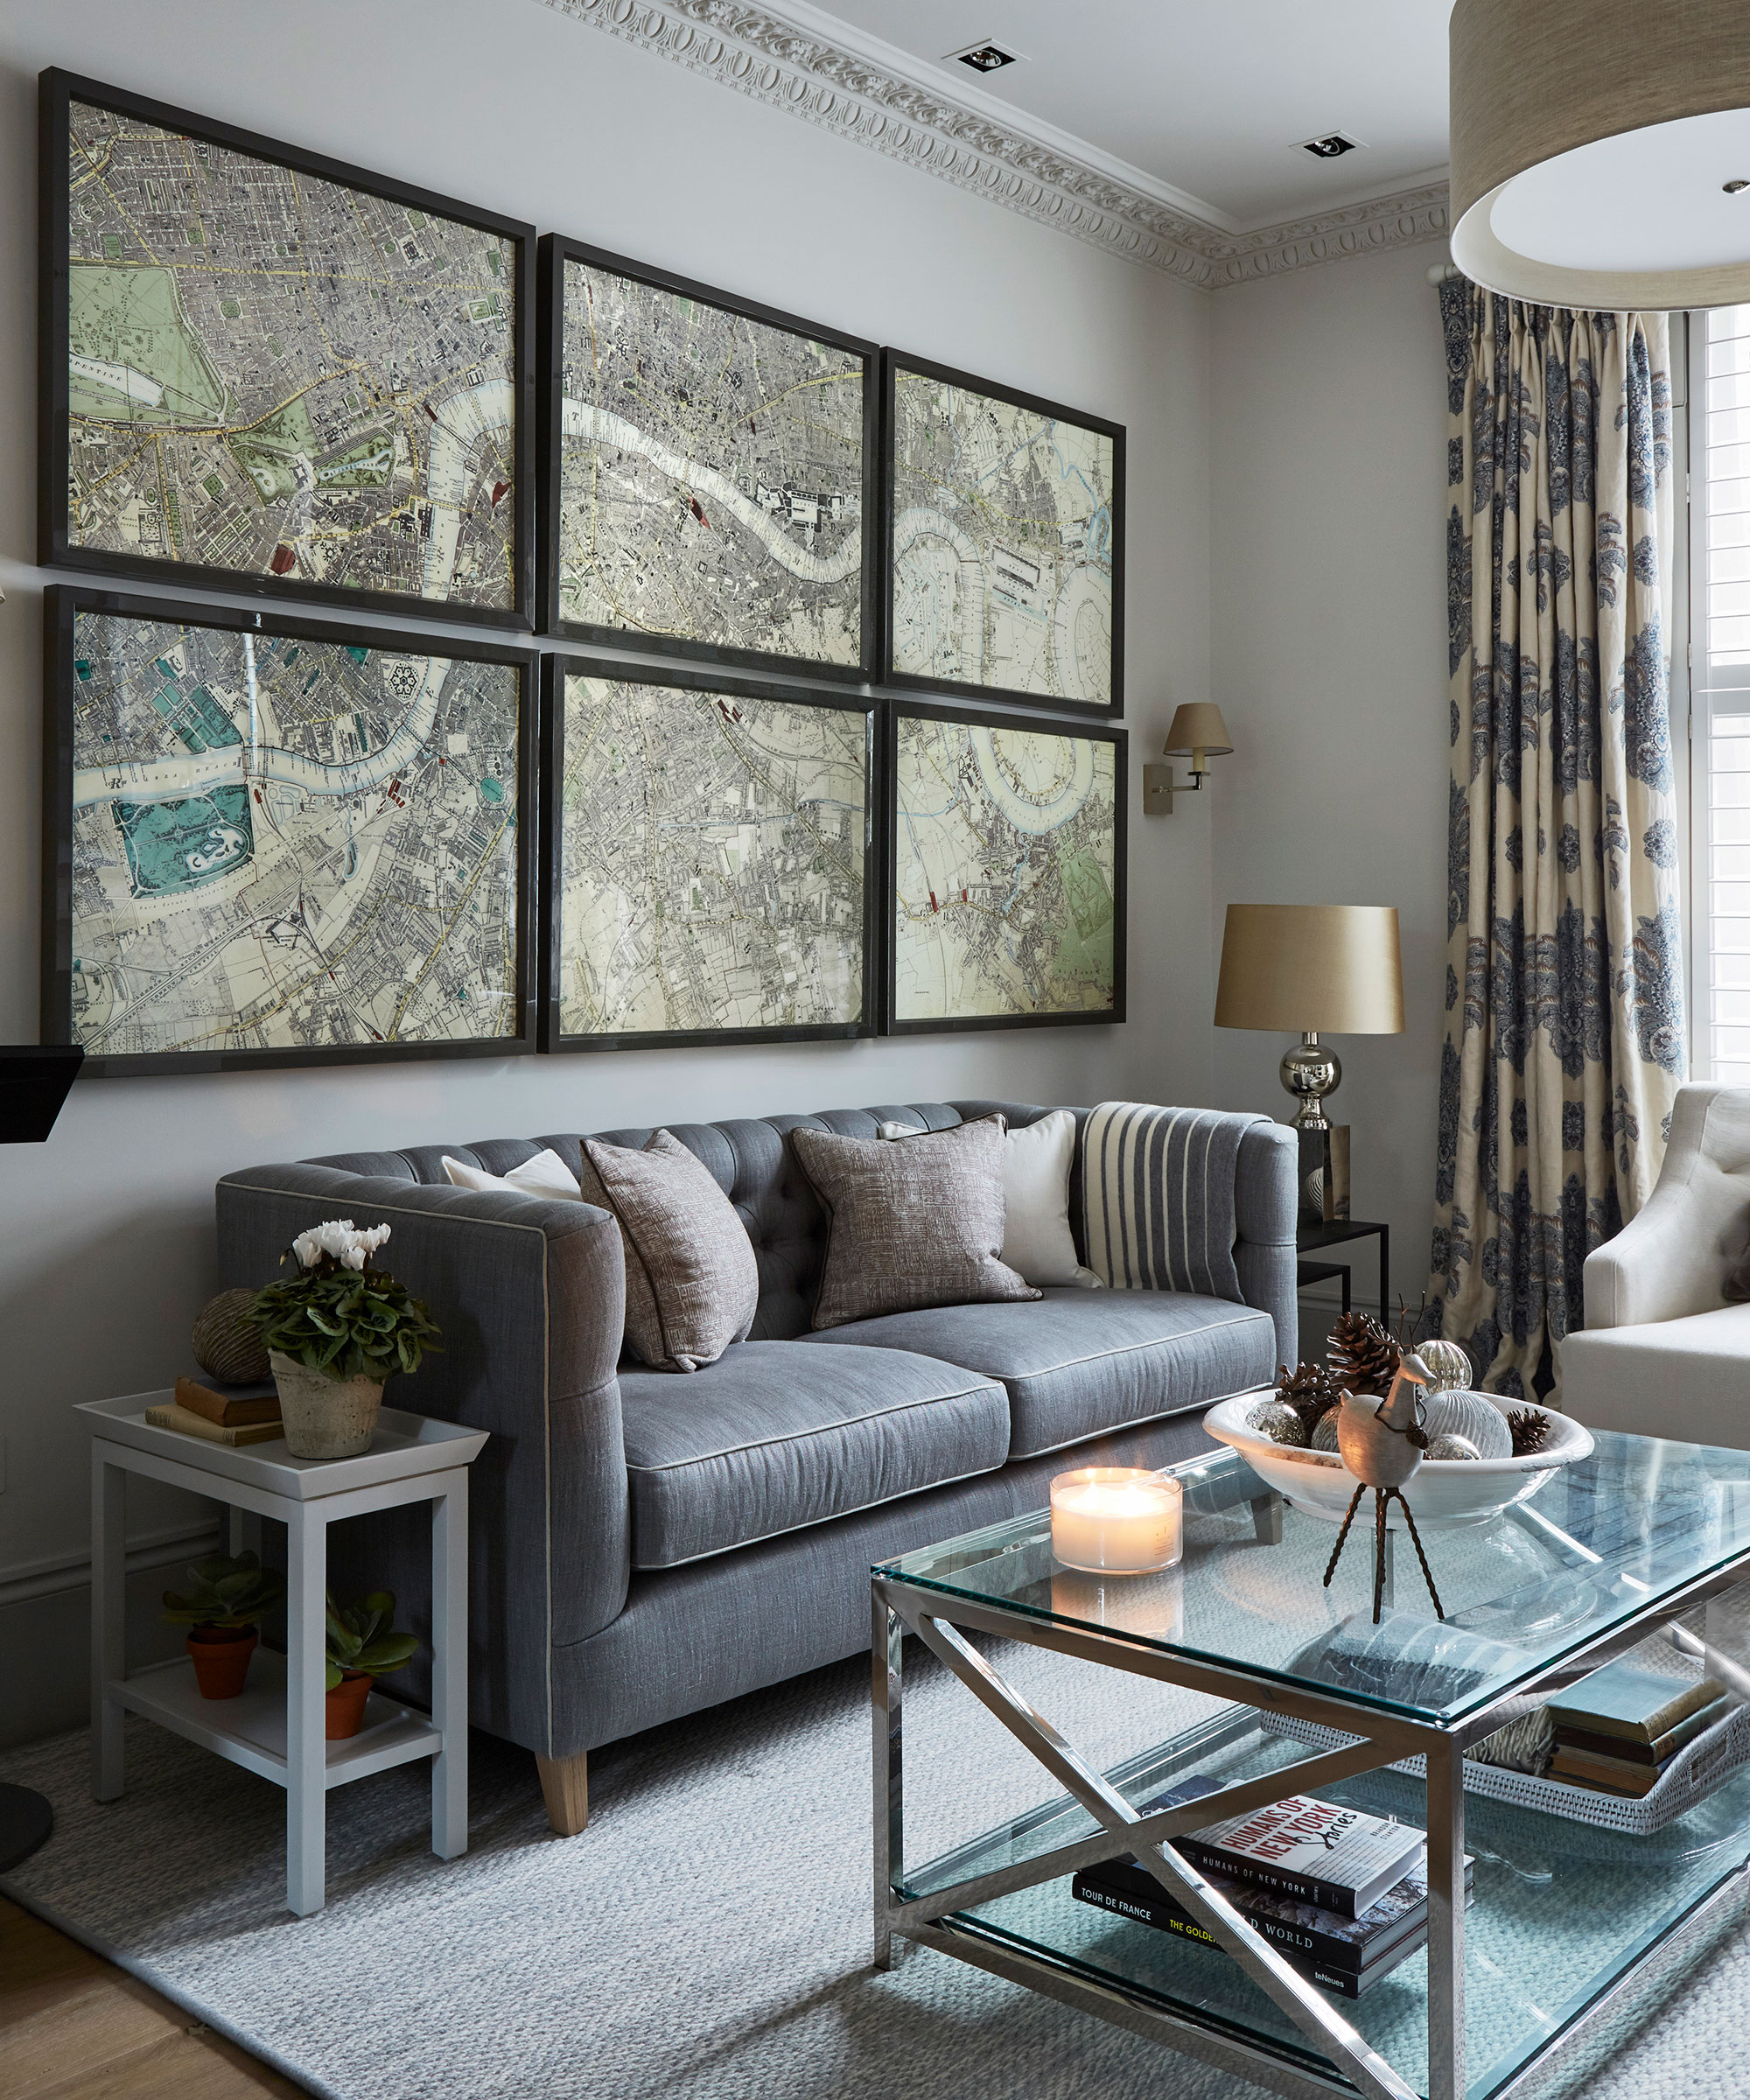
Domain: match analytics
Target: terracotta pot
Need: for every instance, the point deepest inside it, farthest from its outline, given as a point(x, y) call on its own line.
point(220, 1656)
point(324, 1418)
point(346, 1705)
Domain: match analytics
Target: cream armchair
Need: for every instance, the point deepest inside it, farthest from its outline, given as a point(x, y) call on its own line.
point(1661, 1353)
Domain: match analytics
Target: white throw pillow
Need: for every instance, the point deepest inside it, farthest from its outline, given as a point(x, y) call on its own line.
point(1036, 1236)
point(546, 1174)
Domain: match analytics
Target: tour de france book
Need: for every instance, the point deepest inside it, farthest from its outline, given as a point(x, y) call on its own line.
point(1315, 1941)
point(1315, 1851)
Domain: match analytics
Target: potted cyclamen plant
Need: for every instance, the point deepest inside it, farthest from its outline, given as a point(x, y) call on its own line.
point(334, 1331)
point(226, 1600)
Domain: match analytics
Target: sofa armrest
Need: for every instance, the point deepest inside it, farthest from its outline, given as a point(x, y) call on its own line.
point(530, 1298)
point(1671, 1259)
point(1266, 1213)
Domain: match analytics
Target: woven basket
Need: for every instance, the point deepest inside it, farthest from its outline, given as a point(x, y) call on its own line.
point(1695, 1771)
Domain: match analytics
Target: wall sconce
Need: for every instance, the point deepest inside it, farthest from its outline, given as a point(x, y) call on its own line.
point(1199, 730)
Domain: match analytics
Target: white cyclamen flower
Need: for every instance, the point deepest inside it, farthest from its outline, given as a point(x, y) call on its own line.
point(375, 1238)
point(352, 1258)
point(333, 1237)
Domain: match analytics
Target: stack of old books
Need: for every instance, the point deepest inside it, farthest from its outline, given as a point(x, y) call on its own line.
point(1617, 1730)
point(1342, 1894)
point(245, 1417)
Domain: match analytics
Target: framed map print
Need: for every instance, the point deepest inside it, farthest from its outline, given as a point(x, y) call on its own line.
point(708, 870)
point(1004, 538)
point(709, 471)
point(263, 370)
point(271, 842)
point(1007, 886)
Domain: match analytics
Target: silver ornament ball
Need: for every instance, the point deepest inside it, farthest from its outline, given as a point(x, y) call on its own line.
point(1280, 1422)
point(1450, 1446)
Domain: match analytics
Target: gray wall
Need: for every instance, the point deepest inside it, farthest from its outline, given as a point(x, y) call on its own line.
point(105, 1233)
point(1329, 624)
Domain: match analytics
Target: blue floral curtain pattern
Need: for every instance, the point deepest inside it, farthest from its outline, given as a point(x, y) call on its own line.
point(1564, 1040)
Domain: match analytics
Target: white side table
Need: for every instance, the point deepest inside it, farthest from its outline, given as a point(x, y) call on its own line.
point(276, 1728)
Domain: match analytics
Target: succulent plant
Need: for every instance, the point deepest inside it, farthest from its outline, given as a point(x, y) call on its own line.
point(1308, 1389)
point(223, 1592)
point(361, 1637)
point(1362, 1356)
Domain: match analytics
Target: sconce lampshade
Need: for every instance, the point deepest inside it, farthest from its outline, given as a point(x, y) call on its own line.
point(1601, 150)
point(1332, 969)
point(1199, 726)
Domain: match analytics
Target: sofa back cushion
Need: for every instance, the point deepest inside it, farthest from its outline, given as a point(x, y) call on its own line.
point(753, 1166)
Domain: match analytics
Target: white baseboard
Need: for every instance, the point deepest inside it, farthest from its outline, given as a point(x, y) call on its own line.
point(49, 1576)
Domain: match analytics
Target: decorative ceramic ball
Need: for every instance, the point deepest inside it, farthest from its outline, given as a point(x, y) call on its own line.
point(1325, 1431)
point(1472, 1416)
point(1449, 1445)
point(226, 1343)
point(1449, 1362)
point(1280, 1422)
point(1313, 1198)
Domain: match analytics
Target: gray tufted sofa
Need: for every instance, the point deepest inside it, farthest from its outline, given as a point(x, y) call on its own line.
point(645, 1543)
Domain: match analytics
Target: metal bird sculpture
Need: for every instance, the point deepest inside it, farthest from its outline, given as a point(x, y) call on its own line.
point(1381, 1442)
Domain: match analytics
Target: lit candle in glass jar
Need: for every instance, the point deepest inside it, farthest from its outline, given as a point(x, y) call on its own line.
point(1116, 1520)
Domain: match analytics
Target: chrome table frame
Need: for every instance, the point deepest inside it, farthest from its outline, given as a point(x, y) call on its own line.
point(937, 1618)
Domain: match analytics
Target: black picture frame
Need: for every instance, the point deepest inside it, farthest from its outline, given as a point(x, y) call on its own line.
point(556, 252)
point(556, 668)
point(979, 717)
point(892, 363)
point(62, 605)
point(55, 549)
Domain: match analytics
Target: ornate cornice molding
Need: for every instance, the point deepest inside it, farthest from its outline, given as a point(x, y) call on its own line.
point(830, 83)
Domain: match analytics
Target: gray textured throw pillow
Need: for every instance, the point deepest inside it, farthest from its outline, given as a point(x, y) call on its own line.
point(692, 1283)
point(918, 1223)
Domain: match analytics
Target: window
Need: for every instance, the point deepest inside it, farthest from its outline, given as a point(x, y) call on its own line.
point(1720, 677)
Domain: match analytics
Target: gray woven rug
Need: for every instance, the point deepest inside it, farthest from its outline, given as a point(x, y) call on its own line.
point(705, 1939)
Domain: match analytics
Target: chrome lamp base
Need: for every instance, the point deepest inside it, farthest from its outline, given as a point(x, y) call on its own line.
point(1310, 1071)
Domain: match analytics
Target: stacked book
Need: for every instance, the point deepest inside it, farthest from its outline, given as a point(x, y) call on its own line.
point(219, 1417)
point(1343, 1895)
point(1617, 1730)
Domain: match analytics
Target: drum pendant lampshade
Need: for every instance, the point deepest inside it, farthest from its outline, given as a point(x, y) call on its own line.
point(1601, 150)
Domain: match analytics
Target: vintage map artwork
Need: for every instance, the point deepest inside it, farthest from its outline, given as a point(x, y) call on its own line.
point(1004, 527)
point(1006, 872)
point(276, 375)
point(284, 844)
point(710, 474)
point(712, 852)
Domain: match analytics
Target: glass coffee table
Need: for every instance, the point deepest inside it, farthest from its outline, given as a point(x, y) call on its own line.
point(1567, 1917)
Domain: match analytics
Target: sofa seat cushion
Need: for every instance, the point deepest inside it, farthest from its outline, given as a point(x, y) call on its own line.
point(1077, 1364)
point(772, 1437)
point(1685, 1378)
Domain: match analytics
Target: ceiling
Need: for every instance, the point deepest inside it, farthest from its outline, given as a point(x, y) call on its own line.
point(1204, 98)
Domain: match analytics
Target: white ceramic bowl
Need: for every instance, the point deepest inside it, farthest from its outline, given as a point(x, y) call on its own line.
point(1444, 1493)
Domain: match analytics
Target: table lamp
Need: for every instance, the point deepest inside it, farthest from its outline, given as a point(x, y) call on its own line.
point(1311, 969)
point(33, 1084)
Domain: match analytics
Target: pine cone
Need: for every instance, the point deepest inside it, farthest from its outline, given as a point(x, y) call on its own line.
point(1530, 1431)
point(1308, 1389)
point(1362, 1356)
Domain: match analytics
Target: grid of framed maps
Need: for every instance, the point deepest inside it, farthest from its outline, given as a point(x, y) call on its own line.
point(269, 841)
point(709, 865)
point(273, 843)
point(1006, 543)
point(1007, 893)
point(709, 470)
point(262, 369)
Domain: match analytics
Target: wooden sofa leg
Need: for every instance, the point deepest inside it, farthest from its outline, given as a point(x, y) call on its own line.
point(565, 1788)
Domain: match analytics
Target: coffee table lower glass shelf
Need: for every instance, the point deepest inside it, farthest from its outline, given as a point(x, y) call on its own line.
point(1563, 1913)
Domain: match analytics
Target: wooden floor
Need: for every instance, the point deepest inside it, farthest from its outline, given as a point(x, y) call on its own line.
point(72, 2027)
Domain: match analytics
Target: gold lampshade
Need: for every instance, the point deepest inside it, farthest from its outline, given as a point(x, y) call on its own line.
point(1198, 726)
point(1315, 968)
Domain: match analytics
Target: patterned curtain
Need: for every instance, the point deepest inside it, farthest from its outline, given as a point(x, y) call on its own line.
point(1564, 1040)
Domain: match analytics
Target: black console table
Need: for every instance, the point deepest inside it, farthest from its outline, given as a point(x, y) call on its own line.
point(1309, 1238)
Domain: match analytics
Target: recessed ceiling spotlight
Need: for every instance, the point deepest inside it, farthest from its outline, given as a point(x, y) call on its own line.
point(1329, 145)
point(982, 57)
point(1738, 183)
